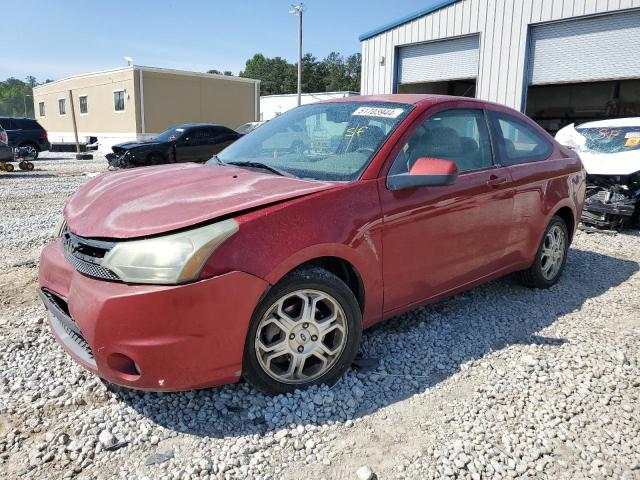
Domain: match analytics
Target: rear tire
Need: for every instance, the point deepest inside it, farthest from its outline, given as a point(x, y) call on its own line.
point(305, 331)
point(551, 257)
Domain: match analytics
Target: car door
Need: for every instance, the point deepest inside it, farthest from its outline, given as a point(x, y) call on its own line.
point(192, 146)
point(439, 239)
point(523, 149)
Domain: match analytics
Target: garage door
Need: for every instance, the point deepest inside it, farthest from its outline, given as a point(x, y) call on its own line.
point(438, 61)
point(600, 48)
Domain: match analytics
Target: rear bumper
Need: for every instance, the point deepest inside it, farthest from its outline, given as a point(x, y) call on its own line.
point(162, 338)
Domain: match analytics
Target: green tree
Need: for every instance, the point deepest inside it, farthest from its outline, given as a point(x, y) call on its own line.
point(15, 94)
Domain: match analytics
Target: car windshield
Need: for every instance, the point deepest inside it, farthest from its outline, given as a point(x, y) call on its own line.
point(322, 141)
point(611, 139)
point(170, 134)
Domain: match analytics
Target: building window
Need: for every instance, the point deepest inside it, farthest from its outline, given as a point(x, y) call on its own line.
point(41, 108)
point(118, 101)
point(62, 106)
point(84, 108)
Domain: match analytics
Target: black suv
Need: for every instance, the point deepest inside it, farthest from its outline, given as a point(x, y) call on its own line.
point(26, 132)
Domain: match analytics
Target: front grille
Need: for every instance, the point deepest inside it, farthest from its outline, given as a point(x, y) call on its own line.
point(62, 322)
point(86, 255)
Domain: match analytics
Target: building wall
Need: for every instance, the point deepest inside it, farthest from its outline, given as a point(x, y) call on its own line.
point(503, 28)
point(101, 116)
point(170, 99)
point(274, 105)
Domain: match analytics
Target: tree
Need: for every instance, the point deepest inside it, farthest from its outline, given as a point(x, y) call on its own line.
point(15, 94)
point(214, 72)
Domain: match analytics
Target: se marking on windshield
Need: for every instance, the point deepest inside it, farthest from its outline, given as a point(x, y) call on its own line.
point(378, 112)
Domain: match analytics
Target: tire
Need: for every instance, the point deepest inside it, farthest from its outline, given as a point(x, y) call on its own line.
point(29, 166)
point(34, 150)
point(8, 167)
point(283, 353)
point(551, 257)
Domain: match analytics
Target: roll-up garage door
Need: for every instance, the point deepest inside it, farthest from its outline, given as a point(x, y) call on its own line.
point(592, 49)
point(454, 59)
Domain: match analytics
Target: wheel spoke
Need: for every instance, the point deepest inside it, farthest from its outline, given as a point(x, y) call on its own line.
point(283, 320)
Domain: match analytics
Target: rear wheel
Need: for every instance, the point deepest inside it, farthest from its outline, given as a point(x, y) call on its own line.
point(550, 258)
point(305, 331)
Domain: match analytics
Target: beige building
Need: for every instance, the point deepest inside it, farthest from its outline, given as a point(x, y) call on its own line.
point(137, 103)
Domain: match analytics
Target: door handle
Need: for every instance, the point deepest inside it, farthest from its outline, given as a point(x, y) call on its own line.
point(495, 181)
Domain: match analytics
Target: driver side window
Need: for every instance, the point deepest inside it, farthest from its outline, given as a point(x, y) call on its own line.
point(457, 135)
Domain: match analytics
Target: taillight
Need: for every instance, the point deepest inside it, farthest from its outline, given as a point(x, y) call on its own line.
point(43, 135)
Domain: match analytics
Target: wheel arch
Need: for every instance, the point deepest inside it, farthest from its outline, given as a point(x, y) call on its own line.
point(566, 214)
point(339, 260)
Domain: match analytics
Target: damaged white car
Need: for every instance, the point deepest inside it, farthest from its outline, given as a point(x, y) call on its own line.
point(610, 153)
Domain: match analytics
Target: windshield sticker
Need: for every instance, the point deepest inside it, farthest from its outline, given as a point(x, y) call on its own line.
point(355, 132)
point(632, 135)
point(378, 112)
point(632, 142)
point(179, 129)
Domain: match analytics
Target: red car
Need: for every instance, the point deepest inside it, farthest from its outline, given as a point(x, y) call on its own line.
point(267, 263)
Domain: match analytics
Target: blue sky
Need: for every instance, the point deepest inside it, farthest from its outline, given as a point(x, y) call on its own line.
point(58, 38)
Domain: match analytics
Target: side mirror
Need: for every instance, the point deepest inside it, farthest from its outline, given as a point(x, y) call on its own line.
point(425, 172)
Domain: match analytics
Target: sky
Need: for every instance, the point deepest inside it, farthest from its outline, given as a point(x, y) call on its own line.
point(68, 37)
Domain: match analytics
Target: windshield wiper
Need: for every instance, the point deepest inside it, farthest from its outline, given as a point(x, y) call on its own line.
point(261, 165)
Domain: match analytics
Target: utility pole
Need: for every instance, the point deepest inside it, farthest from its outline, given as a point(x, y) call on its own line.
point(297, 11)
point(25, 105)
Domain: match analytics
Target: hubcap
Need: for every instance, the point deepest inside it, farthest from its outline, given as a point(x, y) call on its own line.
point(553, 251)
point(301, 336)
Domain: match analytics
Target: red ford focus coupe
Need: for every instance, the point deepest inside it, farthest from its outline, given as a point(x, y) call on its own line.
point(269, 261)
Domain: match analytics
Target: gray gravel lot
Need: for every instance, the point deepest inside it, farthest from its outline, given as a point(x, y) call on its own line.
point(499, 382)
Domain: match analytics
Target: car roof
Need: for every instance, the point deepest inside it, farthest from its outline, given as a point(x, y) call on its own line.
point(405, 98)
point(189, 125)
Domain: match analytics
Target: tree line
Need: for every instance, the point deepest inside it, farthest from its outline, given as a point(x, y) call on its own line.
point(277, 76)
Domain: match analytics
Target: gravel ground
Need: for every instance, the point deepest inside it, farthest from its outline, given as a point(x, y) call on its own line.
point(499, 382)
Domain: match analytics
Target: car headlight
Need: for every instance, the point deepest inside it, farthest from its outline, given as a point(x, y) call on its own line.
point(170, 259)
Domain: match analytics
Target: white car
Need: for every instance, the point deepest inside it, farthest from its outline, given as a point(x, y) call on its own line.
point(610, 153)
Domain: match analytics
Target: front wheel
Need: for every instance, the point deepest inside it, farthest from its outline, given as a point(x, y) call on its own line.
point(550, 258)
point(305, 331)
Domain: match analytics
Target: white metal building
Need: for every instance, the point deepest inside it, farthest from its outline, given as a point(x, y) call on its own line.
point(557, 60)
point(274, 105)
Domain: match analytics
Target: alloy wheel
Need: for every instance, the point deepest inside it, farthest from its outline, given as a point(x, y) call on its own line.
point(301, 336)
point(553, 252)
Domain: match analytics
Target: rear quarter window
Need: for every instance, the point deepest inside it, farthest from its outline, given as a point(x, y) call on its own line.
point(518, 142)
point(26, 124)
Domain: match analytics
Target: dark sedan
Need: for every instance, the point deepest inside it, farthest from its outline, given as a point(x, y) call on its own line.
point(182, 143)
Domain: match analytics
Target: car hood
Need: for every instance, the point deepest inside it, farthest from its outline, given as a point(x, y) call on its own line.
point(152, 200)
point(132, 145)
point(598, 163)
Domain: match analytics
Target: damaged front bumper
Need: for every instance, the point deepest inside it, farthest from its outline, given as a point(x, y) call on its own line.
point(122, 159)
point(612, 202)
